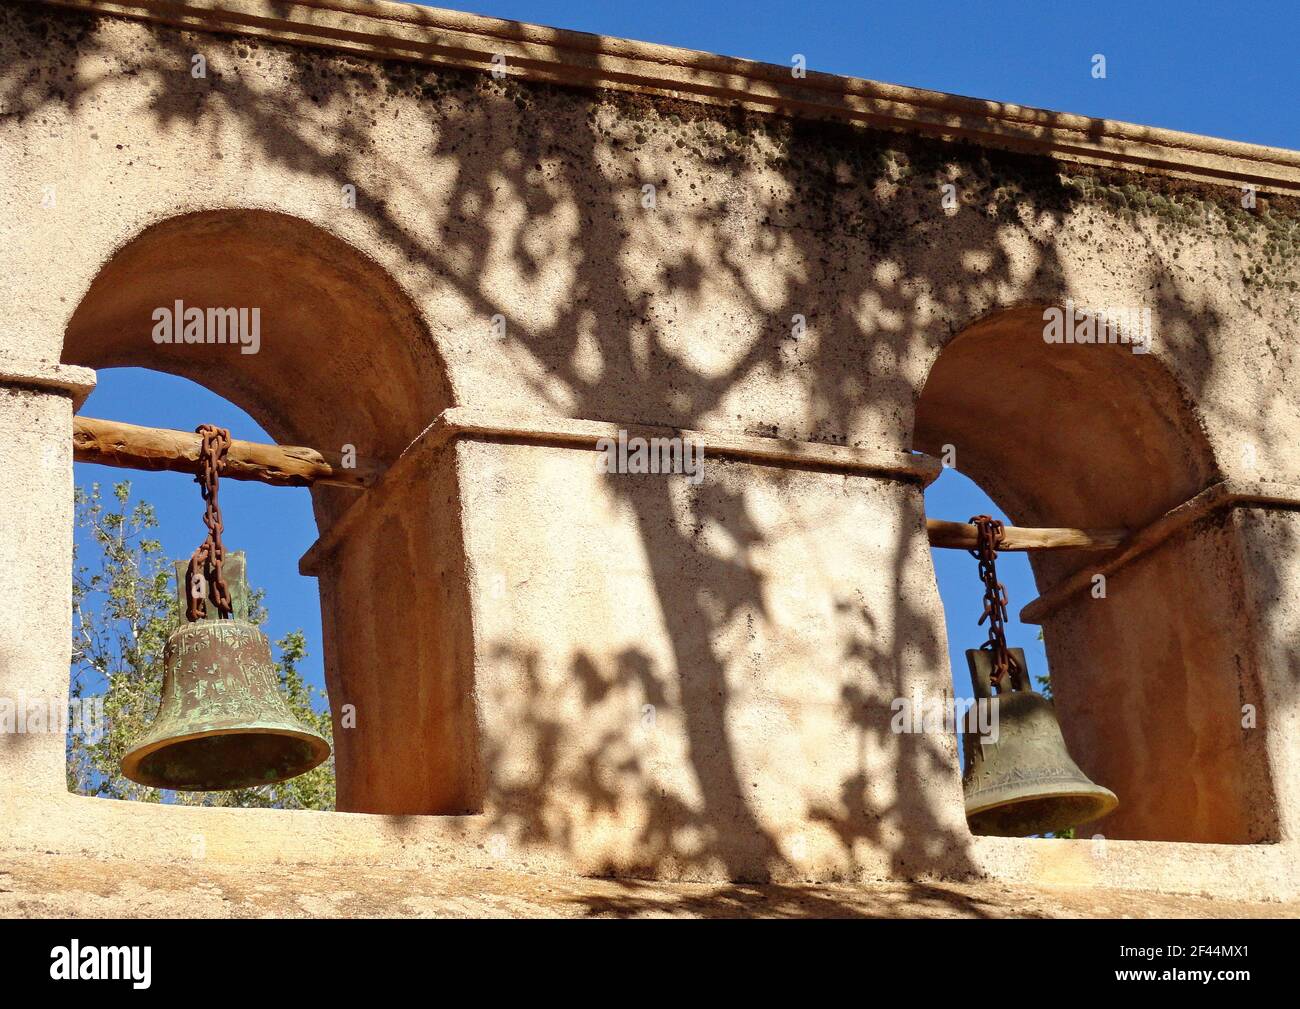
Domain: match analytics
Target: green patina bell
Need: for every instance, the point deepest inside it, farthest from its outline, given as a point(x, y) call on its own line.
point(1020, 779)
point(222, 723)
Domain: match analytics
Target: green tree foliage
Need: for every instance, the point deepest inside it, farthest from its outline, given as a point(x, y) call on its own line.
point(124, 607)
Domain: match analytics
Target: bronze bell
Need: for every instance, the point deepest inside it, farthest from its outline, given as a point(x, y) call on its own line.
point(1023, 782)
point(222, 723)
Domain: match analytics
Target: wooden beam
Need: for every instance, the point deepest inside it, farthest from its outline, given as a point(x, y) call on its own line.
point(961, 536)
point(130, 446)
point(111, 443)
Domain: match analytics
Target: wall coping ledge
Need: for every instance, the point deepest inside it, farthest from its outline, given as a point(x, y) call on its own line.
point(428, 35)
point(76, 381)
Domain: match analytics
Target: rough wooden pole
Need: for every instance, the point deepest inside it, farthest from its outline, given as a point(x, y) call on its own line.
point(111, 443)
point(961, 536)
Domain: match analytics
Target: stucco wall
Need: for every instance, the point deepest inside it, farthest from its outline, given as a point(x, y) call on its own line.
point(481, 197)
point(768, 613)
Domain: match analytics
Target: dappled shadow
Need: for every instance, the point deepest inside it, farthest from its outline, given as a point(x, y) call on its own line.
point(636, 900)
point(678, 314)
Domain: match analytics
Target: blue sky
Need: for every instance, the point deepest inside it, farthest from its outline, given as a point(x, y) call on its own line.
point(273, 525)
point(1222, 69)
point(1225, 69)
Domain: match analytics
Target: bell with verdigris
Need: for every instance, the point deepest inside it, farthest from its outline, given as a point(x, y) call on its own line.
point(222, 723)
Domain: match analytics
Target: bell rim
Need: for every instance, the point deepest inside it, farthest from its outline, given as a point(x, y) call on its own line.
point(1109, 800)
point(131, 760)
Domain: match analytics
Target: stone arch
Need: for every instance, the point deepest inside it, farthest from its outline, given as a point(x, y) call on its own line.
point(336, 328)
point(1118, 439)
point(1148, 679)
point(344, 358)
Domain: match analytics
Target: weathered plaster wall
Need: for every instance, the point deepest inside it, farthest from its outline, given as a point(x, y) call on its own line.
point(480, 197)
point(729, 652)
point(1269, 544)
point(400, 652)
point(36, 512)
point(766, 615)
point(1167, 658)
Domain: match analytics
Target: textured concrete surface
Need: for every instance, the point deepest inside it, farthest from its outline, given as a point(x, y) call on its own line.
point(72, 887)
point(590, 674)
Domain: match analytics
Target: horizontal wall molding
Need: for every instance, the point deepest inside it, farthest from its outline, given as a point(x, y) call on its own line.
point(490, 425)
point(1227, 494)
point(475, 422)
point(72, 379)
point(450, 38)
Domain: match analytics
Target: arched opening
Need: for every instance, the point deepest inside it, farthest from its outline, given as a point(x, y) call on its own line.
point(1146, 667)
point(342, 359)
point(123, 612)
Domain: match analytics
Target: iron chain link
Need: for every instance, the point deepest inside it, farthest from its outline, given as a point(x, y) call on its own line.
point(203, 576)
point(989, 537)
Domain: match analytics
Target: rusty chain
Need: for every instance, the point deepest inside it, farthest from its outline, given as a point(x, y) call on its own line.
point(204, 576)
point(989, 538)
